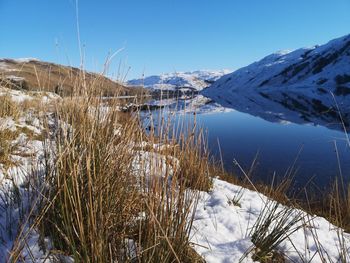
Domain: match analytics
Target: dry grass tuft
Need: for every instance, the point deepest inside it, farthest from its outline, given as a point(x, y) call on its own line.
point(100, 208)
point(7, 147)
point(274, 225)
point(339, 205)
point(94, 198)
point(8, 108)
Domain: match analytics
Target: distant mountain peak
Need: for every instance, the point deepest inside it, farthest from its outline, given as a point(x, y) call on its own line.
point(195, 80)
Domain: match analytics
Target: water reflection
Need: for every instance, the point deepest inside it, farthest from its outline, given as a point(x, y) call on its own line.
point(276, 134)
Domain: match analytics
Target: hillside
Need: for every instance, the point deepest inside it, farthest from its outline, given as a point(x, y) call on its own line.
point(325, 66)
point(185, 81)
point(306, 85)
point(32, 74)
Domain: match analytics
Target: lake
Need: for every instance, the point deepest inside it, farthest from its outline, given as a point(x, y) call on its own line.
point(318, 152)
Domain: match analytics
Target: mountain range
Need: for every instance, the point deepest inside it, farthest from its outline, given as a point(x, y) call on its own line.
point(185, 81)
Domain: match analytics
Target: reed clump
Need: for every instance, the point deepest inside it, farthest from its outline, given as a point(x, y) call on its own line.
point(274, 225)
point(8, 108)
point(339, 204)
point(110, 198)
point(93, 198)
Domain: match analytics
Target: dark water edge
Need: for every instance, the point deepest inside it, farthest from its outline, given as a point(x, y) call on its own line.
point(271, 150)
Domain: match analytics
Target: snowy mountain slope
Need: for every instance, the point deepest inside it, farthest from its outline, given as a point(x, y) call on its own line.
point(304, 86)
point(196, 80)
point(326, 66)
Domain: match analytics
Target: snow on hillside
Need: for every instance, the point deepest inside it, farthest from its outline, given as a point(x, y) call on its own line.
point(25, 60)
point(6, 66)
point(326, 66)
point(196, 80)
point(306, 85)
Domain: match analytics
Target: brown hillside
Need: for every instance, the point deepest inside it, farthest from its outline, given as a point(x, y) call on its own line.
point(32, 74)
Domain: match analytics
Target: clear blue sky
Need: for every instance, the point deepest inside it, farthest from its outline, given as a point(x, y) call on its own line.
point(167, 35)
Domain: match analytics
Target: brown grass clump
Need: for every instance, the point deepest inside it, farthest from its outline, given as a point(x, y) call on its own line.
point(195, 166)
point(6, 147)
point(169, 207)
point(8, 108)
point(340, 205)
point(108, 199)
point(274, 225)
point(334, 205)
point(94, 197)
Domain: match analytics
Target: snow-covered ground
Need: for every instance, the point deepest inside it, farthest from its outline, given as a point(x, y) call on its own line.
point(224, 219)
point(196, 80)
point(17, 192)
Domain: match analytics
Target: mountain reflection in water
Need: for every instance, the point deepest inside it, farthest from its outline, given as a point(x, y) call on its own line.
point(279, 130)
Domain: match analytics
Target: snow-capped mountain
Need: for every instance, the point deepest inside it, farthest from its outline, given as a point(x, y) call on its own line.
point(309, 84)
point(326, 66)
point(195, 81)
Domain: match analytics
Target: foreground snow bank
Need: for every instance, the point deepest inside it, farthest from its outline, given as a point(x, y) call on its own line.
point(21, 177)
point(222, 226)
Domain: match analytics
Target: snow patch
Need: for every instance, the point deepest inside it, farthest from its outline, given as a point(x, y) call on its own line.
point(25, 60)
point(221, 229)
point(14, 78)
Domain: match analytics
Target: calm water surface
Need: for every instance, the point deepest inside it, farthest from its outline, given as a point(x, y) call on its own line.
point(277, 145)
